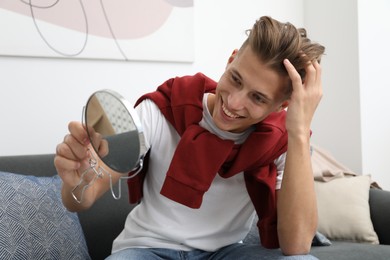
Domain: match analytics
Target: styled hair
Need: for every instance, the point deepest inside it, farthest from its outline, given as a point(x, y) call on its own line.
point(274, 41)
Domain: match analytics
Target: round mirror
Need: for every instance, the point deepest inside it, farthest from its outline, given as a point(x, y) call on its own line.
point(109, 114)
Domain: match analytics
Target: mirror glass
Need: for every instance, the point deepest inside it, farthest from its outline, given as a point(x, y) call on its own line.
point(109, 114)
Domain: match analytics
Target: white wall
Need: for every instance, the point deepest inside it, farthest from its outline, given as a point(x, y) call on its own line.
point(40, 96)
point(374, 55)
point(336, 126)
point(352, 119)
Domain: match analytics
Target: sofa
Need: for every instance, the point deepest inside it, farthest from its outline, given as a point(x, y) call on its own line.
point(89, 234)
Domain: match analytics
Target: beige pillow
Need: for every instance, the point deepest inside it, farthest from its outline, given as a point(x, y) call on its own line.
point(343, 209)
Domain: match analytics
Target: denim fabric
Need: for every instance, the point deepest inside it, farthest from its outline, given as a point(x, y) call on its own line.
point(231, 252)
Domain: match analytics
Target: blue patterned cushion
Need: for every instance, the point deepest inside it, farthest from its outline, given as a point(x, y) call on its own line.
point(34, 224)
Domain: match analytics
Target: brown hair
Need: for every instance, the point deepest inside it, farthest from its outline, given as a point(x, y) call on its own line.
point(274, 41)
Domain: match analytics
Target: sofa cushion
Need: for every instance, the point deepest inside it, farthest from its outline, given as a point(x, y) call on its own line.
point(344, 211)
point(342, 250)
point(34, 224)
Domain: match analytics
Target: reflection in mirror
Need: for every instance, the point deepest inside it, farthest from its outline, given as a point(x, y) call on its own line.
point(110, 115)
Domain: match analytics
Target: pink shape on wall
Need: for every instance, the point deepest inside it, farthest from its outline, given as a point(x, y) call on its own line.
point(119, 20)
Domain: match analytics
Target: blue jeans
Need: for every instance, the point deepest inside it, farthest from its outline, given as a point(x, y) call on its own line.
point(233, 252)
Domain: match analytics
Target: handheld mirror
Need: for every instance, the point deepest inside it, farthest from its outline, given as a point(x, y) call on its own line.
point(110, 115)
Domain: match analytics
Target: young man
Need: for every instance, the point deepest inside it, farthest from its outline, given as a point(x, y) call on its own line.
point(219, 153)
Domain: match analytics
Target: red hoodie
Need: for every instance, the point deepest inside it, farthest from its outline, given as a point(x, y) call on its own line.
point(187, 179)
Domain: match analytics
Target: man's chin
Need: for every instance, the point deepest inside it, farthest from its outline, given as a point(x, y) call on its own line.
point(226, 127)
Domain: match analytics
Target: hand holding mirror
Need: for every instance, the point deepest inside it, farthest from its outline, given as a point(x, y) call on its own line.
point(110, 115)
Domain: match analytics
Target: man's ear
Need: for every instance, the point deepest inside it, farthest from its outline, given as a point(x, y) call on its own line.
point(283, 106)
point(232, 56)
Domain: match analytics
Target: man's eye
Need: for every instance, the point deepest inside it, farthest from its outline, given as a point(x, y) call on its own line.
point(236, 79)
point(258, 98)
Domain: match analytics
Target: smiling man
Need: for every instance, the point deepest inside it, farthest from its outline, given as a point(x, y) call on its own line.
point(220, 152)
point(248, 90)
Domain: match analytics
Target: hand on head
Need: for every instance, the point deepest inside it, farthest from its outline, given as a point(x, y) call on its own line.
point(305, 97)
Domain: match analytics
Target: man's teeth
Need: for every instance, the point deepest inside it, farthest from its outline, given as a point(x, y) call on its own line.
point(228, 113)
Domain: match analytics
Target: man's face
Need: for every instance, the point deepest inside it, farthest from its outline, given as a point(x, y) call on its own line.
point(247, 93)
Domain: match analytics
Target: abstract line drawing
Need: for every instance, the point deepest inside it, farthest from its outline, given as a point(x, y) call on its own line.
point(150, 30)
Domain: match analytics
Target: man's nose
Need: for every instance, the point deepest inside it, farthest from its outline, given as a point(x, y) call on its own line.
point(236, 100)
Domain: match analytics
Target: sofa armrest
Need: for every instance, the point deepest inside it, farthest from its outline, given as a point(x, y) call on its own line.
point(40, 165)
point(380, 214)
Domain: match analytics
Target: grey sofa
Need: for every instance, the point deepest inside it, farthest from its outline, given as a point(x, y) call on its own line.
point(104, 221)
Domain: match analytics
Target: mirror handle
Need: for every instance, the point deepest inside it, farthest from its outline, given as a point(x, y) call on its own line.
point(141, 162)
point(98, 171)
point(84, 183)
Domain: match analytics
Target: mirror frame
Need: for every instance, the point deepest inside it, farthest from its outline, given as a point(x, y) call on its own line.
point(136, 121)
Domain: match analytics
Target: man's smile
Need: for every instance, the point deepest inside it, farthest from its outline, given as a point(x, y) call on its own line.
point(228, 113)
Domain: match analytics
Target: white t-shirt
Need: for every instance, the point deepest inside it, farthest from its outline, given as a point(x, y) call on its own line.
point(225, 215)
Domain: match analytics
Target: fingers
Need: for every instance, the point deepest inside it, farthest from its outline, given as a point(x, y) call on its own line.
point(63, 164)
point(73, 150)
point(313, 73)
point(305, 97)
point(293, 74)
point(103, 148)
point(76, 144)
point(318, 72)
point(312, 78)
point(77, 130)
point(95, 138)
point(99, 144)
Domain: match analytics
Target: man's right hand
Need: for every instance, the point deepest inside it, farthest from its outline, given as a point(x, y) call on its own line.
point(72, 159)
